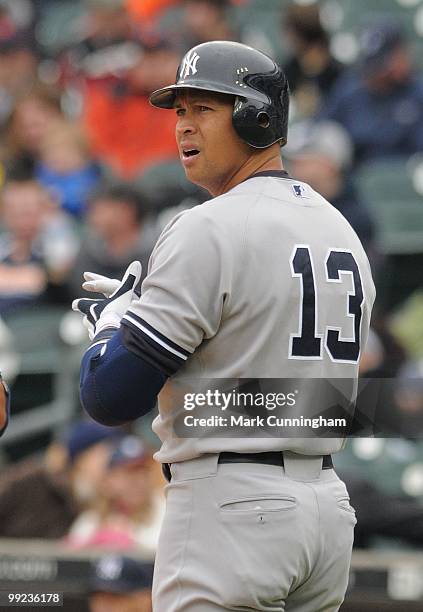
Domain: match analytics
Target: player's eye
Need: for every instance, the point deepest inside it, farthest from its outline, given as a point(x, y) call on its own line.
point(202, 108)
point(180, 112)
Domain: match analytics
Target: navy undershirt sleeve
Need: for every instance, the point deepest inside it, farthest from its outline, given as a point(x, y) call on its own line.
point(116, 384)
point(140, 343)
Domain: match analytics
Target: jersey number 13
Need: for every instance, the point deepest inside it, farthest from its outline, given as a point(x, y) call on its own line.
point(307, 343)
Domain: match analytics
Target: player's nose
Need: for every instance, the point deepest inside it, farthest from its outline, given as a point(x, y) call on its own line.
point(185, 125)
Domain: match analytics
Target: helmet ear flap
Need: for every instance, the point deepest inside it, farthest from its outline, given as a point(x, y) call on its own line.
point(254, 123)
point(263, 119)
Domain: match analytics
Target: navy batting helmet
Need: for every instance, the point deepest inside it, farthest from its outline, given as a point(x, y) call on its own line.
point(260, 116)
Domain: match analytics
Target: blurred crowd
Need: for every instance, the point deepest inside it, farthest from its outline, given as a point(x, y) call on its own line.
point(89, 176)
point(89, 169)
point(93, 487)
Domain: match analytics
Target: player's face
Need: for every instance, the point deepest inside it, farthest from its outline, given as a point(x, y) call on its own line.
point(210, 150)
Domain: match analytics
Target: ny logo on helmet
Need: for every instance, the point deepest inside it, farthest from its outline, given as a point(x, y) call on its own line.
point(189, 64)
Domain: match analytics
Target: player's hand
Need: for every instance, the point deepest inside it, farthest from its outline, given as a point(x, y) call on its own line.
point(97, 283)
point(102, 313)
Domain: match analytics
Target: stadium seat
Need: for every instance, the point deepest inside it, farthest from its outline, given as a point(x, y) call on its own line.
point(359, 13)
point(382, 462)
point(393, 192)
point(45, 360)
point(37, 338)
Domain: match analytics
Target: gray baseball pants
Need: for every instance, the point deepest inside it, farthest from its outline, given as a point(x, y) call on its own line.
point(253, 537)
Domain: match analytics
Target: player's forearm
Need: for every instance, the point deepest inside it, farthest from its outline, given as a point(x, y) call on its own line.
point(117, 385)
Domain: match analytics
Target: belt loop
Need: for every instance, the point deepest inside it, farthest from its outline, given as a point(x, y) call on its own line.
point(198, 467)
point(302, 467)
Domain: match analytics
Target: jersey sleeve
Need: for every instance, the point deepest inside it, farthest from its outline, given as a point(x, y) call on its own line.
point(184, 293)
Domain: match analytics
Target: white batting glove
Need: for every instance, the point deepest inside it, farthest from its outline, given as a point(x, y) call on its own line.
point(97, 283)
point(107, 313)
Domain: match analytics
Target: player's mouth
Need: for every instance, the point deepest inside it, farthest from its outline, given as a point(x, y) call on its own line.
point(189, 155)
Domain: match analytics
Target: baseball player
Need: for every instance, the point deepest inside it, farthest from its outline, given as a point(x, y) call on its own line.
point(266, 279)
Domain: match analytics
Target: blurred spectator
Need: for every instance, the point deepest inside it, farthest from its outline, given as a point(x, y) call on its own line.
point(125, 131)
point(379, 514)
point(320, 154)
point(158, 63)
point(37, 247)
point(384, 355)
point(106, 21)
point(18, 61)
point(311, 69)
point(35, 498)
point(147, 12)
point(65, 166)
point(89, 446)
point(409, 398)
point(205, 20)
point(128, 510)
point(103, 45)
point(32, 115)
point(382, 359)
point(373, 355)
point(380, 104)
point(40, 497)
point(120, 584)
point(398, 279)
point(115, 235)
point(23, 277)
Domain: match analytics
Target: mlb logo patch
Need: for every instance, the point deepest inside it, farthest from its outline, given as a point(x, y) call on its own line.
point(300, 191)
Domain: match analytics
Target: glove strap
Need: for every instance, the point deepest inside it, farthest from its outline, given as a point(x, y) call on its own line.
point(107, 320)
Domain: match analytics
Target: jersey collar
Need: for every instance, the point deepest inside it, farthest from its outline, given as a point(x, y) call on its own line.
point(274, 173)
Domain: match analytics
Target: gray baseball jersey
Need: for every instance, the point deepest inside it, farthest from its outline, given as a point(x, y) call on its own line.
point(268, 280)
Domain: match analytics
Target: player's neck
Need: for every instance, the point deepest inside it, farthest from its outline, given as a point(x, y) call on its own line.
point(259, 161)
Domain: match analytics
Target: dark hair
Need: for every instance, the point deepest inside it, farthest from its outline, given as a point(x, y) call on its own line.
point(305, 22)
point(122, 193)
